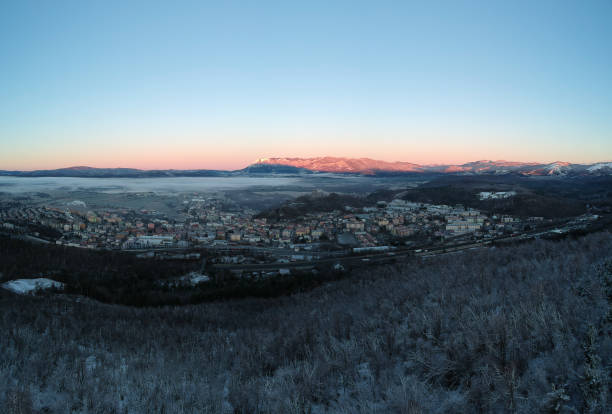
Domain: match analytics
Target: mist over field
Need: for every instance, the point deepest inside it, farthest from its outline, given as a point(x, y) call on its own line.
point(123, 185)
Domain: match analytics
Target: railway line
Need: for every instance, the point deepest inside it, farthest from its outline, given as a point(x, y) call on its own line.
point(386, 257)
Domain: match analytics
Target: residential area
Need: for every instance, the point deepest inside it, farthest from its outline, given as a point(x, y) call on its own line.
point(238, 235)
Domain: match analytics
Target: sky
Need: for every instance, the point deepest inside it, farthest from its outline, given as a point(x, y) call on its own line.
point(203, 84)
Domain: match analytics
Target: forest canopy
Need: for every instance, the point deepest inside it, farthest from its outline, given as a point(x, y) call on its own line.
point(523, 328)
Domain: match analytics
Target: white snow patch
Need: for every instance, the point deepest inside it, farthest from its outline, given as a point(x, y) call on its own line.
point(197, 278)
point(25, 286)
point(91, 363)
point(600, 166)
point(558, 169)
point(190, 279)
point(487, 195)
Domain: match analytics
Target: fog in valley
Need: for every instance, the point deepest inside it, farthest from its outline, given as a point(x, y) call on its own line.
point(135, 185)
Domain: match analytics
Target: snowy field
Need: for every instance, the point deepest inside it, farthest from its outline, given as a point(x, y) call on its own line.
point(26, 286)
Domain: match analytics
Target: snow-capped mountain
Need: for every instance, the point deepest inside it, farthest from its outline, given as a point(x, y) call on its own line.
point(369, 166)
point(342, 165)
point(602, 167)
point(363, 166)
point(556, 168)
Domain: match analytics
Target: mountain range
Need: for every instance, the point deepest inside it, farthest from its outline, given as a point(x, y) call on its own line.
point(369, 166)
point(340, 165)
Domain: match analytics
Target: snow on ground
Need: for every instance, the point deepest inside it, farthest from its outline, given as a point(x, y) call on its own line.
point(486, 195)
point(600, 166)
point(25, 286)
point(190, 279)
point(197, 278)
point(558, 169)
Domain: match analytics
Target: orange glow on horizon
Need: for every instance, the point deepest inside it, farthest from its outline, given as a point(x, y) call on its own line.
point(237, 151)
point(177, 161)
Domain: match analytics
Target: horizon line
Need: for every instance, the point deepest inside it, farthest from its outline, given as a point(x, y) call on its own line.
point(259, 161)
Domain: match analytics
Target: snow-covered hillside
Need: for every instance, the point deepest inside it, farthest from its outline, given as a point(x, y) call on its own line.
point(499, 167)
point(600, 166)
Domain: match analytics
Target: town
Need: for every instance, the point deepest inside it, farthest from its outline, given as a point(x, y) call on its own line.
point(233, 234)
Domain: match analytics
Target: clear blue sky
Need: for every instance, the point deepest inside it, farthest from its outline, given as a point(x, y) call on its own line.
point(218, 84)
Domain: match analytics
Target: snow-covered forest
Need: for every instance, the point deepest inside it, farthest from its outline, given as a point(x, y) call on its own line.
point(518, 329)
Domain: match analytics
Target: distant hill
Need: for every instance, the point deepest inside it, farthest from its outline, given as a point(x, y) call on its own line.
point(90, 172)
point(314, 203)
point(261, 168)
point(339, 165)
